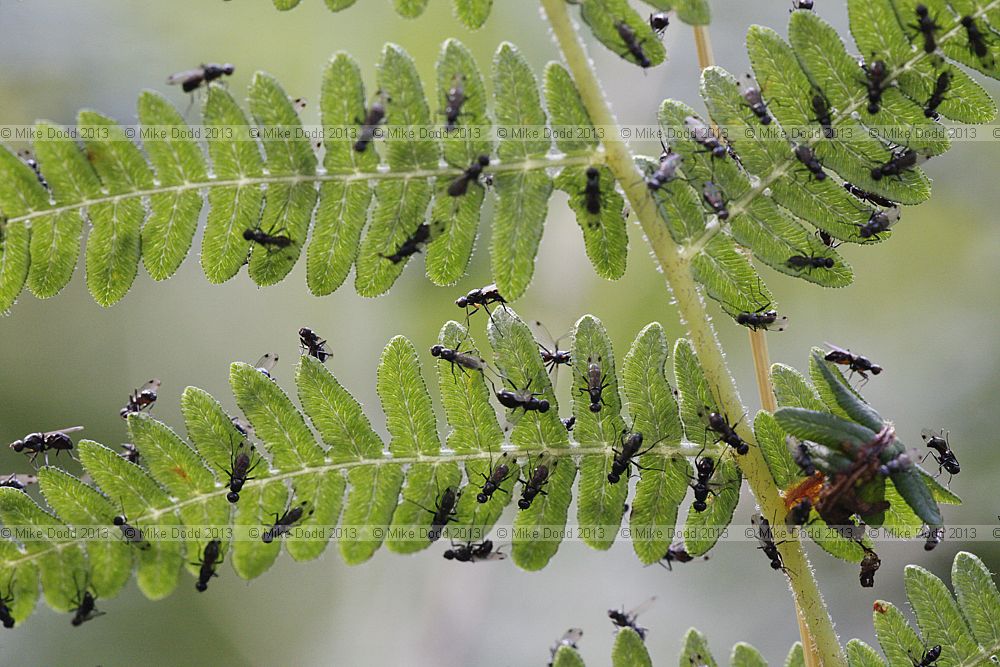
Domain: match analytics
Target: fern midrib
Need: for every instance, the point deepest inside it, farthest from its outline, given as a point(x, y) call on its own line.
point(687, 449)
point(531, 164)
point(779, 170)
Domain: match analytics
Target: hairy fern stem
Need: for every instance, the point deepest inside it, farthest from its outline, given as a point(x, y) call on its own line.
point(692, 310)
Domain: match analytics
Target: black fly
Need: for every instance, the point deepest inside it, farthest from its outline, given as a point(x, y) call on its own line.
point(632, 44)
point(875, 75)
point(141, 399)
point(463, 360)
point(798, 515)
point(756, 102)
point(855, 362)
point(538, 477)
point(869, 564)
point(766, 538)
point(900, 161)
point(827, 238)
point(631, 444)
point(266, 364)
point(808, 158)
point(6, 617)
point(705, 468)
point(807, 263)
point(878, 222)
point(926, 26)
point(623, 619)
point(211, 558)
point(130, 453)
point(592, 191)
point(802, 457)
point(705, 137)
point(554, 357)
point(373, 118)
point(454, 99)
point(929, 657)
point(130, 533)
point(520, 398)
point(712, 194)
point(666, 171)
point(443, 513)
point(481, 298)
point(676, 553)
point(411, 245)
point(871, 198)
point(569, 423)
point(977, 40)
point(313, 345)
point(472, 552)
point(942, 454)
point(30, 160)
point(16, 481)
point(491, 482)
point(941, 85)
point(596, 384)
point(659, 22)
point(821, 107)
point(85, 608)
point(801, 4)
point(192, 79)
point(569, 638)
point(43, 443)
point(283, 523)
point(719, 424)
point(273, 241)
point(241, 465)
point(460, 185)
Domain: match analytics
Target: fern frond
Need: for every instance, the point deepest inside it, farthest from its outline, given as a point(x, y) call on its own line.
point(263, 175)
point(774, 204)
point(376, 494)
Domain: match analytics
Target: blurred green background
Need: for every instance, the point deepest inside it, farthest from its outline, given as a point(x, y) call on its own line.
point(924, 305)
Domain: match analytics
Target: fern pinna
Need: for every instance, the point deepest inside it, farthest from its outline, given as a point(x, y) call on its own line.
point(149, 210)
point(378, 494)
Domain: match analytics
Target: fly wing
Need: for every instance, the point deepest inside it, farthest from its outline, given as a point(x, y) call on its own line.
point(642, 607)
point(153, 386)
point(187, 75)
point(267, 362)
point(71, 429)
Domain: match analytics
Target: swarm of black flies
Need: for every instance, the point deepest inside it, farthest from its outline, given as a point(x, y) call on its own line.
point(43, 443)
point(569, 638)
point(211, 557)
point(192, 79)
point(627, 619)
point(538, 477)
point(632, 44)
point(141, 399)
point(928, 658)
point(284, 522)
point(857, 363)
point(411, 246)
point(313, 345)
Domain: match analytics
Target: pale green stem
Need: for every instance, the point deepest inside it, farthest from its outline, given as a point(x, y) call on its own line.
point(692, 310)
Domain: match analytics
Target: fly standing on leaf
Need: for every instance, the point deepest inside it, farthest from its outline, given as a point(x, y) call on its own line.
point(443, 513)
point(807, 263)
point(901, 160)
point(473, 552)
point(855, 362)
point(632, 44)
point(569, 638)
point(498, 475)
point(30, 160)
point(666, 171)
point(411, 245)
point(460, 185)
point(764, 318)
point(453, 102)
point(798, 515)
point(659, 22)
point(751, 93)
point(43, 443)
point(941, 86)
point(875, 81)
point(266, 364)
point(284, 523)
point(523, 399)
point(821, 107)
point(927, 27)
point(869, 565)
point(827, 239)
point(878, 222)
point(623, 619)
point(595, 384)
point(676, 553)
point(928, 658)
point(274, 240)
point(85, 606)
point(241, 464)
point(719, 424)
point(712, 195)
point(130, 533)
point(941, 452)
point(192, 79)
point(933, 537)
point(130, 453)
point(313, 345)
point(141, 399)
point(6, 617)
point(538, 477)
point(592, 192)
point(631, 444)
point(211, 558)
point(808, 158)
point(704, 136)
point(481, 298)
point(806, 5)
point(705, 468)
point(569, 423)
point(16, 481)
point(802, 456)
point(870, 197)
point(553, 358)
point(978, 45)
point(463, 360)
point(373, 118)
